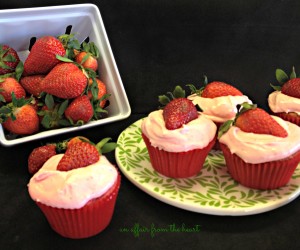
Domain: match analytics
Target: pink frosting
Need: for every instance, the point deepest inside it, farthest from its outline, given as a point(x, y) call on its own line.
point(219, 109)
point(193, 135)
point(279, 102)
point(259, 148)
point(71, 189)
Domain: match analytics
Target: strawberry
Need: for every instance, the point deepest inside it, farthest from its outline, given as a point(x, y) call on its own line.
point(77, 139)
point(290, 85)
point(87, 60)
point(100, 91)
point(88, 56)
point(251, 119)
point(19, 117)
point(292, 88)
point(39, 156)
point(9, 59)
point(65, 81)
point(10, 85)
point(80, 110)
point(179, 111)
point(42, 57)
point(217, 89)
point(32, 84)
point(78, 155)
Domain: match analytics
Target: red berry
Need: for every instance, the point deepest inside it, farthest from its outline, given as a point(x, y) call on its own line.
point(218, 89)
point(101, 91)
point(78, 155)
point(26, 121)
point(39, 156)
point(9, 59)
point(292, 88)
point(32, 84)
point(80, 109)
point(65, 81)
point(42, 57)
point(9, 85)
point(178, 112)
point(258, 121)
point(87, 60)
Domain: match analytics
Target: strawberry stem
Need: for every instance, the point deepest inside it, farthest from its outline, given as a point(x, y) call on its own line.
point(104, 146)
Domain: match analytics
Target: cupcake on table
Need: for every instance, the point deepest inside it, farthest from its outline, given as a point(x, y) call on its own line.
point(178, 137)
point(261, 151)
point(285, 100)
point(76, 190)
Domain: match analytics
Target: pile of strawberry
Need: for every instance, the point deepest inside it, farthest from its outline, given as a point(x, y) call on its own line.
point(56, 86)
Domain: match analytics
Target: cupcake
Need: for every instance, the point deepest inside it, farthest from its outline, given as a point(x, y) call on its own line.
point(178, 138)
point(76, 191)
point(218, 102)
point(285, 100)
point(261, 151)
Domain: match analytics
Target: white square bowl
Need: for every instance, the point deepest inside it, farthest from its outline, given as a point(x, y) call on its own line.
point(18, 26)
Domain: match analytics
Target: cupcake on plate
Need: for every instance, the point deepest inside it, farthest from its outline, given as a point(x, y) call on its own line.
point(178, 138)
point(285, 100)
point(261, 151)
point(77, 190)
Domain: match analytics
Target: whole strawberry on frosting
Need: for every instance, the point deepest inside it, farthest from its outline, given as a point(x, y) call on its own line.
point(252, 119)
point(179, 112)
point(217, 100)
point(285, 100)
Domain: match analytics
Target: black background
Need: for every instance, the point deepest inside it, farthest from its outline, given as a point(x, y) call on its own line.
point(158, 45)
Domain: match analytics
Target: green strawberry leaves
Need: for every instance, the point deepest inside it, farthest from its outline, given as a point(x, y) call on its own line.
point(196, 91)
point(283, 77)
point(178, 92)
point(104, 146)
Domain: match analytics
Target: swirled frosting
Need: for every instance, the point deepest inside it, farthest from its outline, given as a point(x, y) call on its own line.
point(219, 109)
point(71, 189)
point(193, 135)
point(279, 102)
point(259, 148)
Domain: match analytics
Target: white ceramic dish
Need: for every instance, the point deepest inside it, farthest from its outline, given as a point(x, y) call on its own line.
point(212, 191)
point(18, 26)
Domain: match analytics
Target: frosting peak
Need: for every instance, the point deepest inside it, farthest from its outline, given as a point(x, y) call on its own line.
point(279, 102)
point(219, 109)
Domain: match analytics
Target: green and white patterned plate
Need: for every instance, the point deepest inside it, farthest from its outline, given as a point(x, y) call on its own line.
point(212, 191)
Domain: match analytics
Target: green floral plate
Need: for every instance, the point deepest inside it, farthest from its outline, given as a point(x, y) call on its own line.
point(212, 191)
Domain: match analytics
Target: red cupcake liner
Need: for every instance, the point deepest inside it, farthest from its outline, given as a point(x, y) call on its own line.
point(293, 118)
point(84, 222)
point(217, 144)
point(268, 175)
point(177, 165)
